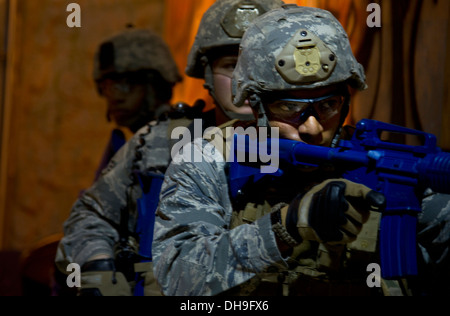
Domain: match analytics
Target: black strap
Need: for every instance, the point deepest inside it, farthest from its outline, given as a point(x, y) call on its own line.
point(99, 265)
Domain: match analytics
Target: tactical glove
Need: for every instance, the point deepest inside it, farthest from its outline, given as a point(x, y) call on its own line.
point(100, 278)
point(332, 212)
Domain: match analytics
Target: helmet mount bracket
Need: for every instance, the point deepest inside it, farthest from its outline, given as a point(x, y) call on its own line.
point(306, 58)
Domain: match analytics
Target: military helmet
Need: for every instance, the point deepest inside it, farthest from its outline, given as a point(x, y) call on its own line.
point(223, 24)
point(135, 50)
point(294, 48)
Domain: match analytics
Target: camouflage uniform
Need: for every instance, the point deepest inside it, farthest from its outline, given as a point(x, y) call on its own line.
point(133, 52)
point(94, 225)
point(202, 242)
point(100, 205)
point(195, 252)
point(205, 243)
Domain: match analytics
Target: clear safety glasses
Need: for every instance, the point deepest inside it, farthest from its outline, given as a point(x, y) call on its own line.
point(297, 111)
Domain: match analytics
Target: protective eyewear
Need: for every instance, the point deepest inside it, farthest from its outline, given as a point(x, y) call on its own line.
point(297, 111)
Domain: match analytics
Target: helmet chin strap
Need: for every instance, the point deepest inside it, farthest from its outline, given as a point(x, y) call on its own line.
point(336, 138)
point(344, 113)
point(256, 103)
point(209, 85)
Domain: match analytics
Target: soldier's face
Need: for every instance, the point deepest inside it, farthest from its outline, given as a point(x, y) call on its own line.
point(223, 68)
point(309, 116)
point(124, 100)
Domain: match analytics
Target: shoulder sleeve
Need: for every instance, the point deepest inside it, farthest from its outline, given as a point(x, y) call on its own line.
point(434, 230)
point(194, 250)
point(92, 227)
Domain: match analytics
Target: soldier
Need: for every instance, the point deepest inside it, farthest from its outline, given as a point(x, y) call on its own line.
point(287, 235)
point(106, 228)
point(213, 55)
point(135, 72)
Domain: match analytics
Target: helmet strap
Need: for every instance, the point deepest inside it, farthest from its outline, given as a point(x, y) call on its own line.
point(336, 138)
point(256, 103)
point(344, 113)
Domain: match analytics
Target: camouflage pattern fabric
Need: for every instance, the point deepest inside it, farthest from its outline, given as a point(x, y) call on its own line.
point(202, 248)
point(220, 32)
point(214, 28)
point(135, 50)
point(262, 44)
point(194, 250)
point(434, 245)
point(92, 227)
point(199, 250)
point(434, 228)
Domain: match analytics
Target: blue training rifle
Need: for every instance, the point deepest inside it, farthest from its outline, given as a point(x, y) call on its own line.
point(401, 172)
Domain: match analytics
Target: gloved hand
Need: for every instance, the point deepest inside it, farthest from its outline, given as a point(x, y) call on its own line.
point(332, 212)
point(100, 278)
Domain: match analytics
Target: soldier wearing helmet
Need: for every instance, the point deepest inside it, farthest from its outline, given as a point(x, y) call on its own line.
point(294, 69)
point(135, 72)
point(301, 87)
point(318, 56)
point(214, 52)
point(105, 223)
point(288, 235)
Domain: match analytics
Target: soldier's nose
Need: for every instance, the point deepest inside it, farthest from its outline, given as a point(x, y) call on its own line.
point(311, 131)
